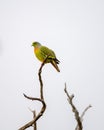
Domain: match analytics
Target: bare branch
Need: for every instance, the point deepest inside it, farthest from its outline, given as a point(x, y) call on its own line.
point(83, 113)
point(74, 109)
point(38, 116)
point(40, 79)
point(41, 99)
point(35, 124)
point(38, 99)
point(34, 115)
point(34, 120)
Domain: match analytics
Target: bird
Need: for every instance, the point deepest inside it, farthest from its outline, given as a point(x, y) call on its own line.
point(43, 52)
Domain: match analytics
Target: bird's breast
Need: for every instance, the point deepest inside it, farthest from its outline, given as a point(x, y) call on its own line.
point(36, 50)
point(38, 54)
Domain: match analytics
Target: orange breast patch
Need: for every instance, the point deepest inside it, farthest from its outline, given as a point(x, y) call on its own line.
point(35, 49)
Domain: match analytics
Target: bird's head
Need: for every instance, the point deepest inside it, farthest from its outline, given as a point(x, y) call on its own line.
point(36, 44)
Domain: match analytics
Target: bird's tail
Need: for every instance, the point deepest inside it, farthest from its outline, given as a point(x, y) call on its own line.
point(55, 65)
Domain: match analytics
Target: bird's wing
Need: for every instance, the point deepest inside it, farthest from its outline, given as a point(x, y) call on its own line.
point(47, 52)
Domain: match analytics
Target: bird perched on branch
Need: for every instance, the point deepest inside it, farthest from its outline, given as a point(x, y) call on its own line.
point(43, 52)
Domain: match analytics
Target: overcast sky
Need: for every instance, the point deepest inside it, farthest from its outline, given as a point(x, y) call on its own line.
point(74, 29)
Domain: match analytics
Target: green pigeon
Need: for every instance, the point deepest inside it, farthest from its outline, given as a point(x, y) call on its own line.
point(42, 52)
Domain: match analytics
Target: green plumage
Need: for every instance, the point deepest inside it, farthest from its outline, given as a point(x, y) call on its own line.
point(42, 52)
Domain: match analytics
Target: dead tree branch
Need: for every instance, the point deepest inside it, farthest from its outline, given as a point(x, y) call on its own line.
point(40, 80)
point(38, 116)
point(34, 115)
point(78, 118)
point(41, 99)
point(74, 109)
point(83, 113)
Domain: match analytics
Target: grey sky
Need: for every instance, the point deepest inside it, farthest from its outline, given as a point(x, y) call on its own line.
point(75, 31)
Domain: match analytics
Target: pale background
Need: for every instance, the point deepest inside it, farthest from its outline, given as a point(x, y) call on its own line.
point(74, 29)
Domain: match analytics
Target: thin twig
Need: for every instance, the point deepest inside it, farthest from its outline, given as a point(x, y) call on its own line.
point(38, 99)
point(34, 116)
point(83, 113)
point(74, 109)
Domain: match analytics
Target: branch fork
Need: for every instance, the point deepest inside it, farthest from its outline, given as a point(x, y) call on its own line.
point(41, 99)
point(78, 118)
